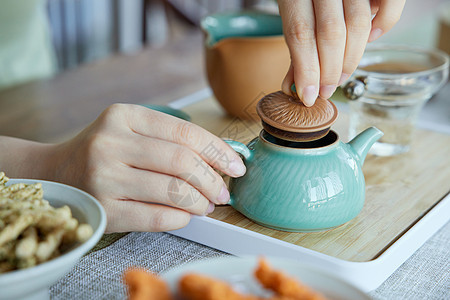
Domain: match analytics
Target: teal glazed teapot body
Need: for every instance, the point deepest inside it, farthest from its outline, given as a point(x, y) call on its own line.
point(302, 187)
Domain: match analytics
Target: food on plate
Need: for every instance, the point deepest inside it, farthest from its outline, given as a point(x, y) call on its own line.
point(31, 230)
point(195, 286)
point(143, 285)
point(282, 284)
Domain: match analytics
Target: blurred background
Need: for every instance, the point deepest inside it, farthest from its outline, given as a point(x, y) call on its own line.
point(87, 30)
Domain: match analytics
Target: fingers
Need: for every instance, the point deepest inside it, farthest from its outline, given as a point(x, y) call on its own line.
point(358, 24)
point(299, 29)
point(388, 13)
point(138, 216)
point(209, 147)
point(152, 187)
point(288, 81)
point(331, 38)
point(177, 161)
point(374, 6)
point(326, 40)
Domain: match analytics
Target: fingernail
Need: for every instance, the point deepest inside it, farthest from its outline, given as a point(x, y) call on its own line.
point(343, 78)
point(310, 94)
point(210, 208)
point(224, 195)
point(374, 34)
point(327, 91)
point(237, 167)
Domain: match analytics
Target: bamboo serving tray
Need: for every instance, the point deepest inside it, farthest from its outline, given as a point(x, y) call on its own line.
point(407, 200)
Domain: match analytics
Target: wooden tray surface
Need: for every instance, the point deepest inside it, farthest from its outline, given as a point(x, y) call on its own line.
point(399, 190)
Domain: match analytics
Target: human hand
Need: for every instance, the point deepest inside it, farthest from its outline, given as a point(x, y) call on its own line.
point(326, 40)
point(149, 170)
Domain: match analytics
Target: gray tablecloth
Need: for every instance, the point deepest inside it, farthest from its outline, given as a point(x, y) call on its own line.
point(426, 275)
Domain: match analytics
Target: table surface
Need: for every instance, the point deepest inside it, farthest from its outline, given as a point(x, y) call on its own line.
point(54, 109)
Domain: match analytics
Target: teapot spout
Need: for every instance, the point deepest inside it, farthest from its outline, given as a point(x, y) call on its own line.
point(364, 141)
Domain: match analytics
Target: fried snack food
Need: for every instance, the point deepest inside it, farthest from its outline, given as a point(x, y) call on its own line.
point(196, 287)
point(144, 286)
point(282, 284)
point(31, 230)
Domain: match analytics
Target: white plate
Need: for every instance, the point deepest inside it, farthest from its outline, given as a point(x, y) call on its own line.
point(238, 272)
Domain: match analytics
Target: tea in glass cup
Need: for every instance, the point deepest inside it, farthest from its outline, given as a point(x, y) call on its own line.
point(397, 81)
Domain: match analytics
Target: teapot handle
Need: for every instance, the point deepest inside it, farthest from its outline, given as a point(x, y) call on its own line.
point(240, 148)
point(245, 152)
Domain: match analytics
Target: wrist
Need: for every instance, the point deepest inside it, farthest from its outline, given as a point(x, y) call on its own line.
point(27, 159)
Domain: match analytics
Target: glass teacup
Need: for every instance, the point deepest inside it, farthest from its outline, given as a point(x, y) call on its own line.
point(389, 88)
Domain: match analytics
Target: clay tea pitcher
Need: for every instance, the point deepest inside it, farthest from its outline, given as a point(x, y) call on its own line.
point(246, 58)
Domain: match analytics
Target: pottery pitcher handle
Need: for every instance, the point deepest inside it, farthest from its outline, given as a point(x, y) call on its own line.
point(240, 148)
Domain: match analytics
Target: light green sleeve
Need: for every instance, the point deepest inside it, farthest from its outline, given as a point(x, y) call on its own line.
point(26, 51)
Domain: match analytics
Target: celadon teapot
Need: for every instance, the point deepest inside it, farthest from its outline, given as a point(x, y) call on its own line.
point(300, 176)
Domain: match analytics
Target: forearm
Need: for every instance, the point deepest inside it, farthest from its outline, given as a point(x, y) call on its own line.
point(26, 159)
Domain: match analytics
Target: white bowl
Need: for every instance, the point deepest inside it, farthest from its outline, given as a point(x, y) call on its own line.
point(239, 273)
point(33, 283)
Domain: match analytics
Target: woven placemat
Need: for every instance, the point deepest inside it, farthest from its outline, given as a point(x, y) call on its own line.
point(425, 275)
point(108, 239)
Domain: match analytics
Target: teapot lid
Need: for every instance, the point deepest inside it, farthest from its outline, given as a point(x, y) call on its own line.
point(286, 117)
